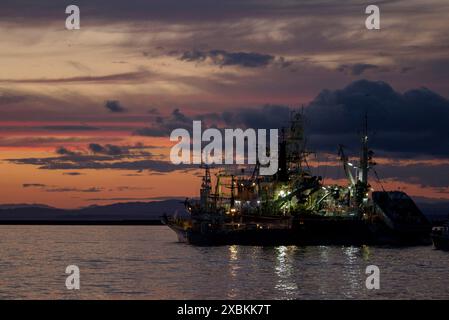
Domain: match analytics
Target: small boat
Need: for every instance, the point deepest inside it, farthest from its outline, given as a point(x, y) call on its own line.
point(440, 236)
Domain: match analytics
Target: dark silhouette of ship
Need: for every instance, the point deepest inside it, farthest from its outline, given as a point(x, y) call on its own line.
point(440, 236)
point(295, 207)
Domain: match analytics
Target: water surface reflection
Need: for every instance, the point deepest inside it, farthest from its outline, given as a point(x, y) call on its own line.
point(148, 263)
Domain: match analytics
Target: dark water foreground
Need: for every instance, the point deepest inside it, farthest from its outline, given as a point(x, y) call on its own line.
point(146, 262)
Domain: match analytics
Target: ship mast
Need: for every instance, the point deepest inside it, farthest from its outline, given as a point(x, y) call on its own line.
point(205, 187)
point(362, 185)
point(363, 174)
point(346, 164)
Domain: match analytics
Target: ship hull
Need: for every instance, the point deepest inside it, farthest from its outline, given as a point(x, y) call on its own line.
point(180, 233)
point(233, 237)
point(304, 232)
point(242, 237)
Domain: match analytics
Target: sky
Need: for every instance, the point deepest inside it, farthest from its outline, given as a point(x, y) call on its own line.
point(85, 115)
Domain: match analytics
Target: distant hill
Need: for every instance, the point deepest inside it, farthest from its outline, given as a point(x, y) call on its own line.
point(137, 213)
point(118, 213)
point(22, 205)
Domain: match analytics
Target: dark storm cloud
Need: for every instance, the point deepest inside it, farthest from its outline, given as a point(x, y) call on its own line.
point(112, 78)
point(114, 106)
point(163, 126)
point(411, 124)
point(223, 58)
point(266, 117)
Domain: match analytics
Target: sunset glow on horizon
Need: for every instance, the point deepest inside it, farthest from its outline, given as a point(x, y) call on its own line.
point(85, 115)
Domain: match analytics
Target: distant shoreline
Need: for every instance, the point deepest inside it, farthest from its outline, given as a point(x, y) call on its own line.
point(83, 223)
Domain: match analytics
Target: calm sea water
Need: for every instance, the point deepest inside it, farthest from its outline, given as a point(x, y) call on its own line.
point(146, 262)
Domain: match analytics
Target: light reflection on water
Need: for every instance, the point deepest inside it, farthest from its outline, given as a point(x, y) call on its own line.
point(233, 270)
point(352, 271)
point(147, 263)
point(284, 271)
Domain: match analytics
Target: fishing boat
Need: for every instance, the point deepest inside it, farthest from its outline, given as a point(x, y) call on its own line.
point(295, 207)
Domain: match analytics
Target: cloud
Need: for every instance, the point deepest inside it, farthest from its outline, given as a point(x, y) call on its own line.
point(70, 128)
point(47, 188)
point(356, 69)
point(114, 106)
point(265, 117)
point(126, 188)
point(65, 151)
point(33, 185)
point(72, 173)
point(103, 157)
point(69, 189)
point(14, 141)
point(224, 58)
point(411, 124)
point(10, 98)
point(115, 150)
point(157, 10)
point(108, 149)
point(79, 66)
point(153, 111)
point(114, 78)
point(163, 126)
point(62, 163)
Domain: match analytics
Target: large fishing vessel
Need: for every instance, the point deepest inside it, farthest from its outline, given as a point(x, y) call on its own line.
point(295, 207)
